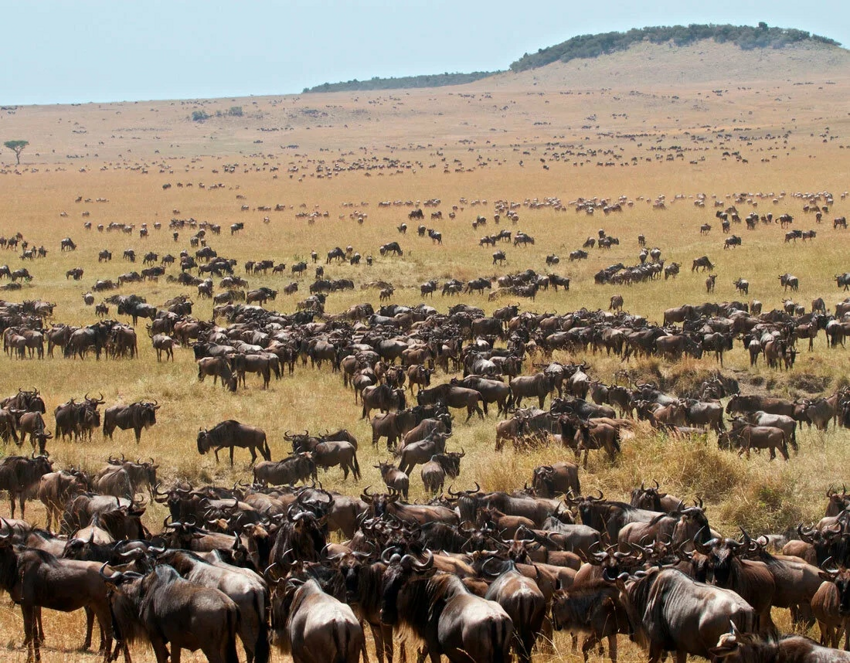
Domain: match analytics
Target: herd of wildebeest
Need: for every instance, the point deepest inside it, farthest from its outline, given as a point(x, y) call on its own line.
point(471, 575)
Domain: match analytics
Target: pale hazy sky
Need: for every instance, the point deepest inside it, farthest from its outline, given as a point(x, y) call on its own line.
point(98, 50)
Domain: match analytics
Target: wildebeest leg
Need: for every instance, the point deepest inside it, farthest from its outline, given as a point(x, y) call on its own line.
point(30, 637)
point(253, 455)
point(89, 629)
point(612, 648)
point(216, 450)
point(138, 432)
point(161, 651)
point(587, 645)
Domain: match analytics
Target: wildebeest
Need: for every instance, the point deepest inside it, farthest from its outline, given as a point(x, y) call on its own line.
point(440, 610)
point(231, 434)
point(314, 626)
point(138, 416)
point(292, 469)
point(668, 611)
point(244, 587)
point(218, 367)
point(737, 647)
point(36, 579)
point(20, 476)
point(163, 608)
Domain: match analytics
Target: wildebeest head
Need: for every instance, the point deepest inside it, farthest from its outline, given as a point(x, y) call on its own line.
point(400, 570)
point(647, 498)
point(841, 579)
point(203, 441)
point(721, 555)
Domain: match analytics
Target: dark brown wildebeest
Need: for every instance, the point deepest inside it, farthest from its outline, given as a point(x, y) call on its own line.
point(549, 481)
point(296, 467)
point(218, 367)
point(737, 647)
point(789, 281)
point(746, 436)
point(328, 453)
point(382, 397)
point(20, 476)
point(743, 404)
point(138, 416)
point(831, 607)
point(163, 608)
point(691, 616)
point(314, 626)
point(525, 604)
point(452, 396)
point(539, 385)
point(702, 263)
point(163, 343)
point(593, 608)
point(35, 579)
point(441, 610)
point(231, 434)
point(244, 587)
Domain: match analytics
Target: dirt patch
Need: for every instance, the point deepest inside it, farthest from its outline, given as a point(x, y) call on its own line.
point(809, 383)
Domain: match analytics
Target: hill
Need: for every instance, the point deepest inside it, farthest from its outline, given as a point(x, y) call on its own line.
point(742, 39)
point(402, 83)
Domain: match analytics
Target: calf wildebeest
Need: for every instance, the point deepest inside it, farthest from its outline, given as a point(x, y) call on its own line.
point(163, 608)
point(232, 434)
point(56, 489)
point(394, 478)
point(830, 607)
point(138, 416)
point(435, 471)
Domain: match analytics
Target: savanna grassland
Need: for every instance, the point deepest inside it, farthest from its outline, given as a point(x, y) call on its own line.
point(523, 139)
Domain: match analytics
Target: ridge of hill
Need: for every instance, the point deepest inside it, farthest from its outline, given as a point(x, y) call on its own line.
point(743, 38)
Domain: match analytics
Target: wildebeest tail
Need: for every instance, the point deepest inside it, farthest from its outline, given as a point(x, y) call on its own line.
point(230, 655)
point(265, 450)
point(498, 638)
point(341, 645)
point(262, 650)
point(356, 467)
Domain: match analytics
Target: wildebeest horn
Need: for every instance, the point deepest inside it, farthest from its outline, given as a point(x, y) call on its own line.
point(462, 453)
point(657, 486)
point(699, 546)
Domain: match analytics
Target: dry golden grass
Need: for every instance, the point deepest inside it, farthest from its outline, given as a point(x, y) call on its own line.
point(130, 150)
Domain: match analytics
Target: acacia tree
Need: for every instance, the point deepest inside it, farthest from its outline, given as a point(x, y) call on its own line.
point(17, 146)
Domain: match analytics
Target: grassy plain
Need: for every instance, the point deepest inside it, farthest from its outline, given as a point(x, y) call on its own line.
point(519, 141)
